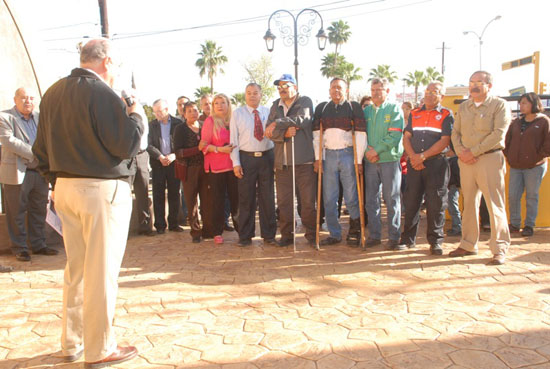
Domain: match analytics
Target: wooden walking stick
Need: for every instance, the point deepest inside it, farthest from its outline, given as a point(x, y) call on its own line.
point(359, 180)
point(319, 178)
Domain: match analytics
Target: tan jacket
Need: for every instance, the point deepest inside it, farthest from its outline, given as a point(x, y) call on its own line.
point(16, 147)
point(481, 128)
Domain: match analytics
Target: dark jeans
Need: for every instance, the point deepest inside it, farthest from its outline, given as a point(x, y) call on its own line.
point(257, 172)
point(141, 191)
point(194, 184)
point(431, 181)
point(306, 183)
point(26, 206)
point(217, 185)
point(164, 178)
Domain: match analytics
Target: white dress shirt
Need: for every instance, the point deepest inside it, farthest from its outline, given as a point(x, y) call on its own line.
point(241, 130)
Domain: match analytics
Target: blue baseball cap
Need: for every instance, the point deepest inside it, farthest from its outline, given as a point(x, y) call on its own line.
point(285, 78)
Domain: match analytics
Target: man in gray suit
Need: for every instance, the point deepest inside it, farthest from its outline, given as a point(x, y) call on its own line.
point(26, 191)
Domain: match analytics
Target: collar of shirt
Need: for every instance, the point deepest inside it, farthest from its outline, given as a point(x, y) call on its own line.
point(98, 76)
point(439, 107)
point(472, 103)
point(285, 107)
point(21, 116)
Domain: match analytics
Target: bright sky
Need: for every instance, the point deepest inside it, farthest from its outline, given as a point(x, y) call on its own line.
point(405, 34)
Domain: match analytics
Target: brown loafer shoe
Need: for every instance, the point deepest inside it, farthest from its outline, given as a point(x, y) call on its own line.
point(498, 259)
point(120, 355)
point(460, 252)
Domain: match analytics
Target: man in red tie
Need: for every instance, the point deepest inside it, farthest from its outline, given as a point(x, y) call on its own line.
point(253, 165)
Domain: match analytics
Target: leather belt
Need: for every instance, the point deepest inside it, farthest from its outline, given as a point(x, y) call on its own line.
point(256, 154)
point(491, 151)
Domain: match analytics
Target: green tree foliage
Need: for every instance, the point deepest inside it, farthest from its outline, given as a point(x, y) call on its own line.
point(237, 99)
point(338, 34)
point(210, 61)
point(149, 112)
point(342, 69)
point(433, 75)
point(260, 71)
point(201, 91)
point(383, 71)
point(416, 79)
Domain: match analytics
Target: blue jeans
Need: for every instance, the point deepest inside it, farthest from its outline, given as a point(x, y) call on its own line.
point(338, 166)
point(454, 211)
point(527, 180)
point(385, 178)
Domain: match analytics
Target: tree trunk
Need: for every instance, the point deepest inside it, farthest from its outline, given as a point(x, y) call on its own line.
point(416, 93)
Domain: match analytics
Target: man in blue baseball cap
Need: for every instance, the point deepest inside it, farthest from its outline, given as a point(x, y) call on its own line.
point(292, 116)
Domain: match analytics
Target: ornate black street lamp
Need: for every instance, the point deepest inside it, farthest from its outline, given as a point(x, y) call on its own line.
point(294, 37)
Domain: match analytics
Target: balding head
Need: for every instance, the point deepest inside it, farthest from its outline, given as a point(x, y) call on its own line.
point(97, 55)
point(24, 101)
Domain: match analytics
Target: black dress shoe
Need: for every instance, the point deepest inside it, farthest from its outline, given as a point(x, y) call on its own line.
point(161, 231)
point(245, 242)
point(283, 242)
point(436, 249)
point(46, 251)
point(269, 241)
point(330, 241)
point(176, 229)
point(23, 256)
point(197, 239)
point(228, 228)
point(394, 245)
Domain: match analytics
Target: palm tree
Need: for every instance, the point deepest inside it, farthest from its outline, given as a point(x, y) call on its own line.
point(211, 58)
point(329, 64)
point(383, 71)
point(201, 91)
point(237, 99)
point(338, 34)
point(433, 75)
point(416, 79)
point(349, 73)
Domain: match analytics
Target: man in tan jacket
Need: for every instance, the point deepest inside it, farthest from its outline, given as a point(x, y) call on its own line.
point(478, 138)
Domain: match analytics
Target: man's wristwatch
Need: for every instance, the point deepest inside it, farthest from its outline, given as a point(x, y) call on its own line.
point(215, 148)
point(422, 156)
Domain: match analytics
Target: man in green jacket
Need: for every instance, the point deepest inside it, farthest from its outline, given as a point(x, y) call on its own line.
point(384, 133)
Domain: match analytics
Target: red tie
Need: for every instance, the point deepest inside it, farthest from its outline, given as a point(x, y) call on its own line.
point(258, 129)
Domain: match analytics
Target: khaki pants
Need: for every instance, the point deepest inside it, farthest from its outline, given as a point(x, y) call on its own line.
point(485, 177)
point(95, 214)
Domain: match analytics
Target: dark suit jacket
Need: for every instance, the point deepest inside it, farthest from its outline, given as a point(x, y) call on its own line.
point(155, 137)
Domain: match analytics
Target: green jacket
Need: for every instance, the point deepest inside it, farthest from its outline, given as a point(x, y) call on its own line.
point(385, 131)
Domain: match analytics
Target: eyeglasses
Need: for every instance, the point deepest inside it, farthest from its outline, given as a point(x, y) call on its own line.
point(286, 86)
point(477, 83)
point(432, 93)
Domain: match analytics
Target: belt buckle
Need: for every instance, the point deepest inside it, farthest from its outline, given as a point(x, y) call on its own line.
point(258, 154)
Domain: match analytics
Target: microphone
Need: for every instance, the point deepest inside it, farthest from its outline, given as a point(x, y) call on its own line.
point(129, 100)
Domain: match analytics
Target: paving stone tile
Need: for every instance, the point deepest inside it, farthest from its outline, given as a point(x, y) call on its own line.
point(357, 350)
point(329, 334)
point(231, 338)
point(311, 350)
point(544, 351)
point(419, 360)
point(283, 340)
point(332, 361)
point(281, 360)
point(476, 359)
point(323, 315)
point(366, 334)
point(517, 357)
point(171, 355)
point(239, 366)
point(485, 329)
point(389, 348)
point(262, 326)
point(527, 340)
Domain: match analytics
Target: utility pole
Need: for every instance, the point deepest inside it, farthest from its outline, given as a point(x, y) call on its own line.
point(443, 48)
point(104, 18)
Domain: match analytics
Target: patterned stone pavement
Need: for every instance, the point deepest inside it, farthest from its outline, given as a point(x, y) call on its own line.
point(204, 306)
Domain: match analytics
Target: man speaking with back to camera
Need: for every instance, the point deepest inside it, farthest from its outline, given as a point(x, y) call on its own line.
point(85, 146)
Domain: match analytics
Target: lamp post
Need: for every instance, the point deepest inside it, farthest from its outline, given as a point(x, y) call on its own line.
point(292, 36)
point(480, 37)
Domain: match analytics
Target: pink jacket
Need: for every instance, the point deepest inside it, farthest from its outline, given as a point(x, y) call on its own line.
point(215, 162)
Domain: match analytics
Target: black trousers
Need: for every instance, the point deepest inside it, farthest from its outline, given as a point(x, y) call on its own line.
point(257, 179)
point(213, 211)
point(164, 179)
point(141, 191)
point(26, 206)
point(306, 184)
point(431, 182)
point(193, 186)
